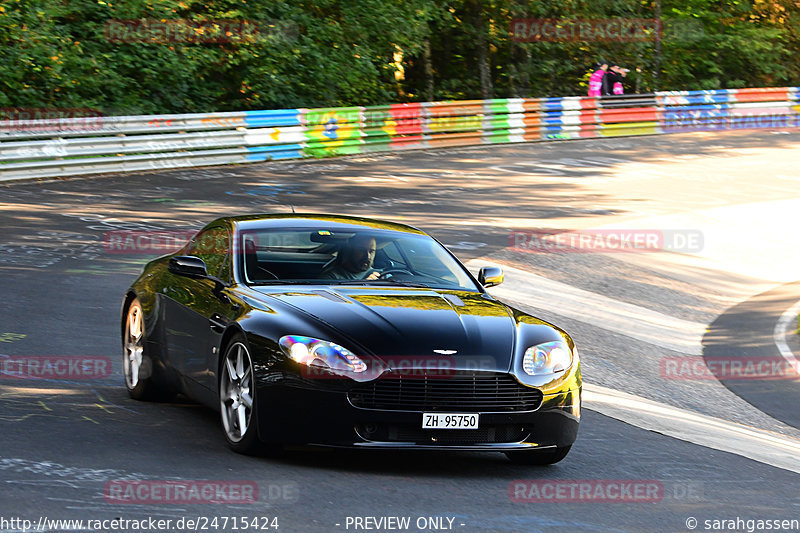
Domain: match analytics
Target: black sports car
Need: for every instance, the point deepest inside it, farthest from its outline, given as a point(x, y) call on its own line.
point(343, 331)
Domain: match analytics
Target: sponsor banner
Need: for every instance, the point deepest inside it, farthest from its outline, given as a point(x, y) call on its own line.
point(272, 118)
point(333, 131)
point(407, 118)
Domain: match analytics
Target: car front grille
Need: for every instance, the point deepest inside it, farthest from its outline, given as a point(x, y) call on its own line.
point(501, 433)
point(459, 392)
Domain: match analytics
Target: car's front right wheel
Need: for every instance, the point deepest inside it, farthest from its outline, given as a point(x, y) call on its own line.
point(237, 397)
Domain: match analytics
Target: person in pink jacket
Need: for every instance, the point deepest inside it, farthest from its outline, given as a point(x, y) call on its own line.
point(596, 80)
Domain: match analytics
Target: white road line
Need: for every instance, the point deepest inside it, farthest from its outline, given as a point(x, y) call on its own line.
point(655, 328)
point(779, 334)
point(600, 311)
point(762, 446)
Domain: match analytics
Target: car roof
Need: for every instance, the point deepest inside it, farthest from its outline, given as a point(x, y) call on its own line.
point(312, 221)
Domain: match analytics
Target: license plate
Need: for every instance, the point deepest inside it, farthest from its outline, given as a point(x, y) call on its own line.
point(449, 421)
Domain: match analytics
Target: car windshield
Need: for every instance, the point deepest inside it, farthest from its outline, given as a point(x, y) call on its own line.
point(334, 257)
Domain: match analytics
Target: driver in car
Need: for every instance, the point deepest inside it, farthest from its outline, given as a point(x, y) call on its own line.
point(354, 260)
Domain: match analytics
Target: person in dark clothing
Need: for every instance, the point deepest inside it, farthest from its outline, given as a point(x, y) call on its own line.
point(612, 76)
point(354, 261)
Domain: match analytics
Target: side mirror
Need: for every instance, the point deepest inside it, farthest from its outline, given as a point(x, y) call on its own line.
point(189, 266)
point(490, 276)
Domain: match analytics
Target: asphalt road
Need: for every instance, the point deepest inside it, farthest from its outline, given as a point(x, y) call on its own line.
point(746, 332)
point(62, 442)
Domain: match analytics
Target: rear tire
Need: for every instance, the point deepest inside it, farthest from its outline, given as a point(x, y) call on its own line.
point(237, 397)
point(137, 365)
point(538, 458)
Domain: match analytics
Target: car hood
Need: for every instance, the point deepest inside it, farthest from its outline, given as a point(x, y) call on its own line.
point(473, 329)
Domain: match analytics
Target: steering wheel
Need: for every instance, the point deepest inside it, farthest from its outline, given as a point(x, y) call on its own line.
point(386, 274)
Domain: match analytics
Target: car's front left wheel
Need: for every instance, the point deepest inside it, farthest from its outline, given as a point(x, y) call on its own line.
point(237, 397)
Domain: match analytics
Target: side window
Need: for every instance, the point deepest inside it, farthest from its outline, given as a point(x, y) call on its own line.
point(213, 247)
point(224, 272)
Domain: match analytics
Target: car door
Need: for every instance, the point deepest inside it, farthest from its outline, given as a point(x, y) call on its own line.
point(198, 309)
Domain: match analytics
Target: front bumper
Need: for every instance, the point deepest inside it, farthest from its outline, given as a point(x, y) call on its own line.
point(291, 412)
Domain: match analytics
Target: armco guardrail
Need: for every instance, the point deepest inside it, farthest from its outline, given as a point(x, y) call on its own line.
point(72, 146)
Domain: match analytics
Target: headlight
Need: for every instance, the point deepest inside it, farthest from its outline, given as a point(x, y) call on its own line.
point(315, 352)
point(547, 358)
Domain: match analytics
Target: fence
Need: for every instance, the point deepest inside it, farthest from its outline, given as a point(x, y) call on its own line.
point(98, 144)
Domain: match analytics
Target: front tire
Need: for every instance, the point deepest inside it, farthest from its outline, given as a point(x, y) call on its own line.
point(538, 458)
point(237, 397)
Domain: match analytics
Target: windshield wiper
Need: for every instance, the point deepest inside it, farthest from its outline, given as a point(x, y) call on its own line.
point(287, 282)
point(410, 283)
point(388, 282)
